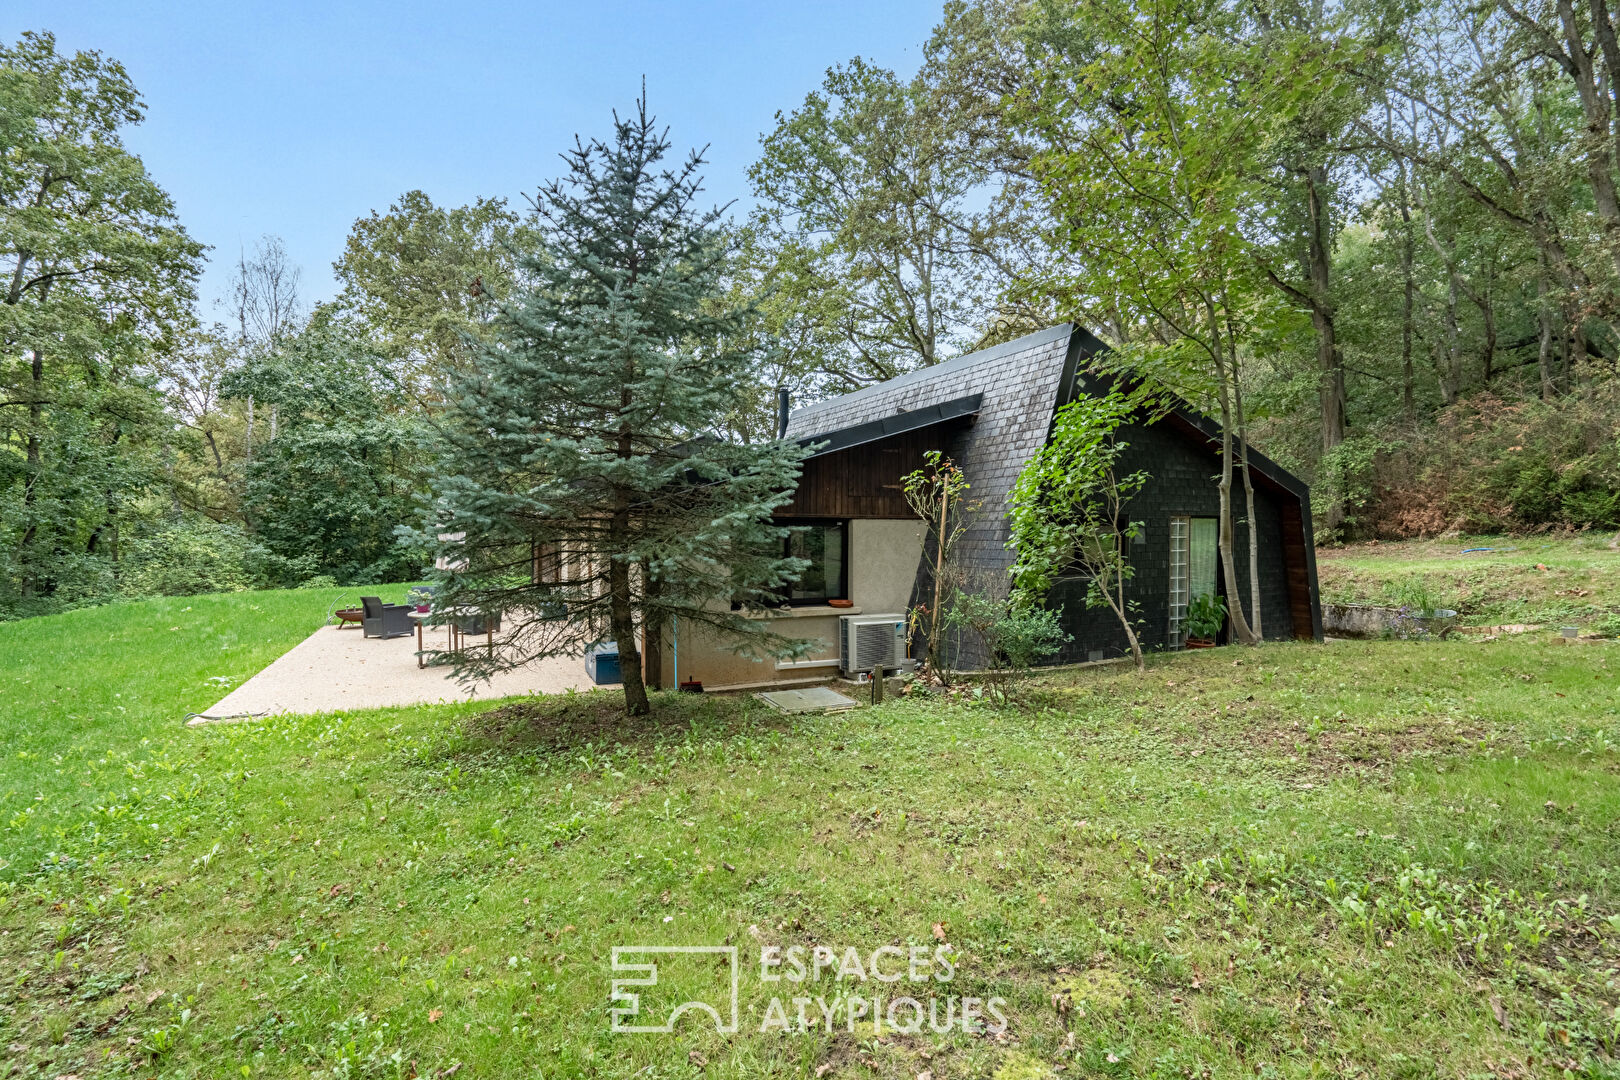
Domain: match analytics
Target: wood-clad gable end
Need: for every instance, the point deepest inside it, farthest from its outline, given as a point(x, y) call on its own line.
point(862, 481)
point(1299, 577)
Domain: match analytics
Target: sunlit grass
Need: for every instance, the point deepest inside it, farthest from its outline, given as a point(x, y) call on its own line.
point(86, 696)
point(1396, 859)
point(1530, 579)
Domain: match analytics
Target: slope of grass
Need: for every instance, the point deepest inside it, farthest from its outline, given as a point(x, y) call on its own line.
point(1523, 580)
point(87, 695)
point(1382, 859)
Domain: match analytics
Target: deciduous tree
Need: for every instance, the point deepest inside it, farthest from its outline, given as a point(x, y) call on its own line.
point(97, 275)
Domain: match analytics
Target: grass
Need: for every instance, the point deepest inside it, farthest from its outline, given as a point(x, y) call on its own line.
point(1383, 859)
point(1537, 579)
point(86, 695)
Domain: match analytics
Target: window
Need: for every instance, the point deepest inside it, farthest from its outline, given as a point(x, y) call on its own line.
point(1205, 531)
point(825, 545)
point(1180, 558)
point(1192, 570)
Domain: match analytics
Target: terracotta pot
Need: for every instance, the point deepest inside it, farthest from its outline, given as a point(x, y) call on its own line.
point(1199, 643)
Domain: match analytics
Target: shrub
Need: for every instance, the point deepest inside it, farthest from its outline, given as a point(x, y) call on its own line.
point(1011, 635)
point(1487, 463)
point(189, 556)
point(1415, 594)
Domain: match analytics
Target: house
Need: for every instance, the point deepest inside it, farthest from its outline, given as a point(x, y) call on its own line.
point(990, 411)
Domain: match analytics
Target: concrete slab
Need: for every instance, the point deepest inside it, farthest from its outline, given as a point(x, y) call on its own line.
point(335, 669)
point(816, 699)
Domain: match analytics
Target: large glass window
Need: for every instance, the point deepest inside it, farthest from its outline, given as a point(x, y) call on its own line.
point(825, 545)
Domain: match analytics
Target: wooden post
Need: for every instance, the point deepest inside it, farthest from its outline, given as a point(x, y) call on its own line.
point(877, 685)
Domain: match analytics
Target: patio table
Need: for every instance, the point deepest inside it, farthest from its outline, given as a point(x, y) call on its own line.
point(456, 636)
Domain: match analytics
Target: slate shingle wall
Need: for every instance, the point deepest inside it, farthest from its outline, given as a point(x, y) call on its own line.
point(1183, 482)
point(1020, 383)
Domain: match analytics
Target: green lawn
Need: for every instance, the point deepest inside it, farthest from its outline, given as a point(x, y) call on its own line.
point(85, 694)
point(1535, 579)
point(1381, 858)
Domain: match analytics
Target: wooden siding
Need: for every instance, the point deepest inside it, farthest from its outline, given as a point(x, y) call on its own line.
point(1296, 570)
point(863, 481)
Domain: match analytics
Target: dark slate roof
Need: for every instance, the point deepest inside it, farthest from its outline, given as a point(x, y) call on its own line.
point(962, 408)
point(994, 372)
point(1019, 383)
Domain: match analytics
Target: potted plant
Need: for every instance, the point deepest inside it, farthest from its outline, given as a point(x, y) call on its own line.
point(1205, 617)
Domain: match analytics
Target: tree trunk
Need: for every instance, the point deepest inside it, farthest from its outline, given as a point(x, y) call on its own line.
point(1248, 492)
point(1319, 253)
point(621, 616)
point(213, 445)
point(1598, 110)
point(1544, 346)
point(1408, 387)
point(1240, 625)
point(1116, 595)
point(1254, 536)
point(1577, 345)
point(621, 607)
point(1116, 600)
point(936, 648)
point(1447, 361)
point(108, 528)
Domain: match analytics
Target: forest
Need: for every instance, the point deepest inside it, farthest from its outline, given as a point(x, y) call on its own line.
point(1379, 239)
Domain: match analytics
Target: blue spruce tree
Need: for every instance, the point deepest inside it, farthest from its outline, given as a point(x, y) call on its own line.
point(582, 495)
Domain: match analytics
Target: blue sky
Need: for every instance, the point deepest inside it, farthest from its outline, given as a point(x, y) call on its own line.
point(297, 117)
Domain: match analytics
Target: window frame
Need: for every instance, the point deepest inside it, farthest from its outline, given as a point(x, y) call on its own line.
point(843, 560)
point(1179, 566)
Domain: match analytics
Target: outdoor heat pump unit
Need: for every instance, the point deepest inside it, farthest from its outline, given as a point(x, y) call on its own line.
point(869, 641)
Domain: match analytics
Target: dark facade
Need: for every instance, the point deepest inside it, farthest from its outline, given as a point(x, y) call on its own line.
point(990, 412)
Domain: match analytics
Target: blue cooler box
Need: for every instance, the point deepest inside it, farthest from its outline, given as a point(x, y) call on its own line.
point(602, 663)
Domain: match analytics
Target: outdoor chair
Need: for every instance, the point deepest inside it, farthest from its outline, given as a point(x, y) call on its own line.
point(384, 620)
point(478, 625)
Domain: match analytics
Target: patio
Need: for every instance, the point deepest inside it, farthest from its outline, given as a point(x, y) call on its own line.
point(335, 669)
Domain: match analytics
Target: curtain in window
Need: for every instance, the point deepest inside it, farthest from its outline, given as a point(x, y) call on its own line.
point(1201, 569)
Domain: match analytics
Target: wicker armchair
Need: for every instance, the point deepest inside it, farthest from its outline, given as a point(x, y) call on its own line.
point(384, 620)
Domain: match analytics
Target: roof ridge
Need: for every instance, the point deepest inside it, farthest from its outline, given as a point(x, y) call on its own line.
point(932, 371)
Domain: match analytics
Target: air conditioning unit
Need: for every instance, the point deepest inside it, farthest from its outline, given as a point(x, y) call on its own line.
point(869, 641)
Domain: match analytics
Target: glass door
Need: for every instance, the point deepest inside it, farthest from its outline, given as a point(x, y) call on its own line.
point(1193, 547)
